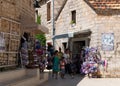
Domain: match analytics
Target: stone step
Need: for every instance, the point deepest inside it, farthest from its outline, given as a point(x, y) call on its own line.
point(12, 75)
point(14, 81)
point(28, 80)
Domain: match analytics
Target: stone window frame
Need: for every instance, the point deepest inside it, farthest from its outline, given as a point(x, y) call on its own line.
point(73, 17)
point(48, 10)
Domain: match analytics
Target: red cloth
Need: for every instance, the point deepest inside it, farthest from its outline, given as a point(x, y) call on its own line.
point(39, 51)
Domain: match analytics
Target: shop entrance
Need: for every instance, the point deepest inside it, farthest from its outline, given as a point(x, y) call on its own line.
point(77, 47)
point(76, 54)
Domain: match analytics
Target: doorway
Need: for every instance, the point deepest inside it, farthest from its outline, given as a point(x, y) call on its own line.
point(77, 46)
point(64, 45)
point(76, 55)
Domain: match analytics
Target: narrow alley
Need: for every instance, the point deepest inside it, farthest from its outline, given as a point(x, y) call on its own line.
point(80, 38)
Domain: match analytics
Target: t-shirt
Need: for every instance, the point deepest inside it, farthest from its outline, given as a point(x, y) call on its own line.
point(60, 54)
point(67, 58)
point(62, 64)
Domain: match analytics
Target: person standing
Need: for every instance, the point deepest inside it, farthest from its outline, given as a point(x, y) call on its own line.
point(62, 67)
point(60, 53)
point(56, 64)
point(24, 50)
point(66, 55)
point(50, 49)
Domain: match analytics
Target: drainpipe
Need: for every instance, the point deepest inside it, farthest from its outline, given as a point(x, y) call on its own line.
point(53, 24)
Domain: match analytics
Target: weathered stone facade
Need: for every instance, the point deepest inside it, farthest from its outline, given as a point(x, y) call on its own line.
point(14, 15)
point(87, 18)
point(43, 12)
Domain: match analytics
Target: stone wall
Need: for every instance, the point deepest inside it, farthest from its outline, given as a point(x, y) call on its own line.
point(10, 29)
point(87, 18)
point(110, 24)
point(27, 13)
point(14, 15)
point(43, 13)
point(18, 10)
point(9, 9)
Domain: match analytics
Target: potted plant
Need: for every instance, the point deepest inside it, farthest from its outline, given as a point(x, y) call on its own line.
point(72, 23)
point(39, 19)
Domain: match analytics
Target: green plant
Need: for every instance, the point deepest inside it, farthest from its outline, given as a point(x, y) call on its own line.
point(72, 22)
point(39, 19)
point(41, 38)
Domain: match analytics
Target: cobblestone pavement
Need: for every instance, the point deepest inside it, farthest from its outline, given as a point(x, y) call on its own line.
point(82, 81)
point(68, 81)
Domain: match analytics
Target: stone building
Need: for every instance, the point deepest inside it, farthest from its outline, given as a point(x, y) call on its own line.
point(16, 17)
point(10, 32)
point(80, 23)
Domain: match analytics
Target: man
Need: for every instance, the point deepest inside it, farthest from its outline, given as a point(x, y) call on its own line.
point(50, 49)
point(66, 55)
point(60, 54)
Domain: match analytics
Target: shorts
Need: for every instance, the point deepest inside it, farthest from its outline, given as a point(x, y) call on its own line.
point(62, 71)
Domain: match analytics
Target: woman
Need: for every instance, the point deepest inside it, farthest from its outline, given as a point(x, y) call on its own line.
point(56, 64)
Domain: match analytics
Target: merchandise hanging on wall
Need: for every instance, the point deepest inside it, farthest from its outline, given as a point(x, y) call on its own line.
point(2, 42)
point(24, 49)
point(92, 63)
point(107, 41)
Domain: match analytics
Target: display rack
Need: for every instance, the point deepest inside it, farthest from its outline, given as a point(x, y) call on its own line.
point(10, 31)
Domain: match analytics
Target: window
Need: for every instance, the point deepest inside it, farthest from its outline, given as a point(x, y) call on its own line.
point(36, 12)
point(36, 15)
point(64, 45)
point(73, 16)
point(48, 11)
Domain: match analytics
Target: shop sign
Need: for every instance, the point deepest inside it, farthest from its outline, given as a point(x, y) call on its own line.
point(107, 41)
point(71, 34)
point(2, 42)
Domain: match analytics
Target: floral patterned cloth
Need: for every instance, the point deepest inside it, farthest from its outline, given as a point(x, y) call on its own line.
point(92, 61)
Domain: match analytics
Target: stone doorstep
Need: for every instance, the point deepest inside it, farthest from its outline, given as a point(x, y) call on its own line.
point(114, 74)
point(110, 74)
point(11, 75)
point(32, 76)
point(29, 81)
point(9, 82)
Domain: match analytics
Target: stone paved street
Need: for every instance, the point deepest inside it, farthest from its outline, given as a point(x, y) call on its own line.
point(100, 82)
point(83, 81)
point(68, 81)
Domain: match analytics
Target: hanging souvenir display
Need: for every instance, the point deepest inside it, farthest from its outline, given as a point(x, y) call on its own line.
point(92, 62)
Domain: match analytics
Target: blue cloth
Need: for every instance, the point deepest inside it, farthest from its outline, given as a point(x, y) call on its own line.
point(56, 62)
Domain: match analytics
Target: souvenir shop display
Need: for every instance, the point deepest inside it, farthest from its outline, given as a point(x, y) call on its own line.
point(92, 62)
point(9, 43)
point(24, 49)
point(24, 54)
point(36, 56)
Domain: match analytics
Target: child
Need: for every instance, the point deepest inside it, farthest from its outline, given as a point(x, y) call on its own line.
point(41, 65)
point(62, 67)
point(72, 69)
